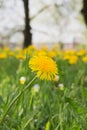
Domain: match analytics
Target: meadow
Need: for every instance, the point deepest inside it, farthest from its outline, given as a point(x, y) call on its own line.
point(43, 89)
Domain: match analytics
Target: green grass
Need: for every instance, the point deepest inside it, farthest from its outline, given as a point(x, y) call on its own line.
point(61, 110)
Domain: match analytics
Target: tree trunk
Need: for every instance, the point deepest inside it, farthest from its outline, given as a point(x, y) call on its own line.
point(27, 30)
point(84, 10)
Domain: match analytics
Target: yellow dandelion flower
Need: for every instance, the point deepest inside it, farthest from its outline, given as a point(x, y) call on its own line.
point(70, 52)
point(30, 50)
point(81, 52)
point(21, 56)
point(6, 49)
point(44, 67)
point(41, 52)
point(66, 57)
point(11, 53)
point(73, 59)
point(52, 54)
point(84, 59)
point(3, 55)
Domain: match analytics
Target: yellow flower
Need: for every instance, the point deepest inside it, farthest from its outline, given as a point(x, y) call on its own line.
point(81, 52)
point(3, 55)
point(44, 67)
point(66, 57)
point(11, 53)
point(84, 59)
point(41, 52)
point(52, 54)
point(73, 59)
point(70, 52)
point(30, 50)
point(21, 56)
point(6, 49)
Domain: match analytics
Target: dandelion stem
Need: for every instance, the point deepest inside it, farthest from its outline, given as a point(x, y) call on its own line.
point(15, 99)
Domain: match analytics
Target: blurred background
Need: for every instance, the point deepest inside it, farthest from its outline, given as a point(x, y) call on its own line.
point(38, 22)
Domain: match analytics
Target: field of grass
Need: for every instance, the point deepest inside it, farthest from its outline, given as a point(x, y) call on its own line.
point(28, 102)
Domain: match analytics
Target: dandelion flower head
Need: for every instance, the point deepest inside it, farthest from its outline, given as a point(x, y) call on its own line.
point(84, 59)
point(44, 66)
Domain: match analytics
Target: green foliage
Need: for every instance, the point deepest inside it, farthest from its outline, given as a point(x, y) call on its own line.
point(48, 109)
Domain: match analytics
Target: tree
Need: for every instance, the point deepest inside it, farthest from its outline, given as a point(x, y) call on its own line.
point(84, 10)
point(27, 30)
